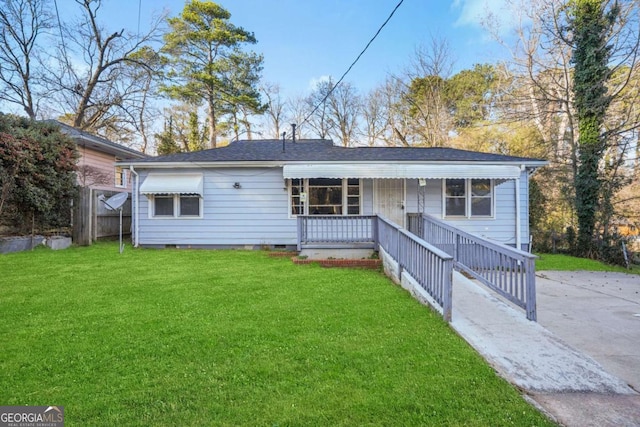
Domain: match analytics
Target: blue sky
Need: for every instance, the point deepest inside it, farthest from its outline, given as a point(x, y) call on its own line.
point(305, 40)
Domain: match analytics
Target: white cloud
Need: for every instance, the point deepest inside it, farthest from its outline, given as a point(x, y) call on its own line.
point(475, 12)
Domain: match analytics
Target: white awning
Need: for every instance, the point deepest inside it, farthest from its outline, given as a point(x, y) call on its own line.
point(161, 183)
point(382, 170)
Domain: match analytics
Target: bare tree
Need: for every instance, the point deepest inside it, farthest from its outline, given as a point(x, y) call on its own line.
point(297, 109)
point(375, 116)
point(542, 68)
point(319, 118)
point(22, 23)
point(94, 82)
point(275, 108)
point(398, 121)
point(344, 109)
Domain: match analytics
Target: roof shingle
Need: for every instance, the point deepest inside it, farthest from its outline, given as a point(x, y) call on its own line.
point(319, 150)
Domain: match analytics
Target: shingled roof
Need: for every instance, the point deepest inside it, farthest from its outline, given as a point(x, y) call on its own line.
point(319, 150)
point(83, 138)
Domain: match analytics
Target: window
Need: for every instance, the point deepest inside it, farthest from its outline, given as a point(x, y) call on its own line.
point(298, 197)
point(189, 206)
point(455, 199)
point(468, 198)
point(353, 196)
point(163, 206)
point(481, 200)
point(324, 196)
point(176, 206)
point(121, 177)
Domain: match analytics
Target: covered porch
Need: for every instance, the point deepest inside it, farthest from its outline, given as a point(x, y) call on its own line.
point(485, 199)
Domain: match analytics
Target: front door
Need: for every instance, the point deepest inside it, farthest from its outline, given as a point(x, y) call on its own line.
point(389, 199)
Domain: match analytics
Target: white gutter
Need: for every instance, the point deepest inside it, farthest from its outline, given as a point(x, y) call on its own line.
point(518, 216)
point(281, 163)
point(136, 211)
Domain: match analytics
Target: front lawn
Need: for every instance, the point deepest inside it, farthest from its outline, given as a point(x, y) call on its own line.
point(185, 337)
point(560, 262)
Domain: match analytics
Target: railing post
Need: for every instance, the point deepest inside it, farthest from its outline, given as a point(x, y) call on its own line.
point(299, 248)
point(531, 290)
point(447, 298)
point(456, 247)
point(374, 231)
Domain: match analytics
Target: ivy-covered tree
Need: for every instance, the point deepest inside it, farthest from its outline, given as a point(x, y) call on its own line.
point(37, 174)
point(590, 25)
point(208, 65)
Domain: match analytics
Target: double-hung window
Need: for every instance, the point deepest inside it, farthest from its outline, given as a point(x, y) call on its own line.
point(324, 196)
point(178, 195)
point(468, 198)
point(176, 206)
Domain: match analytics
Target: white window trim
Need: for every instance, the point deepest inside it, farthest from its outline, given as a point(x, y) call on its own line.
point(176, 208)
point(345, 196)
point(467, 201)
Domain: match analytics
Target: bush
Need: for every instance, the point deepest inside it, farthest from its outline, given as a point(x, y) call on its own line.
point(37, 175)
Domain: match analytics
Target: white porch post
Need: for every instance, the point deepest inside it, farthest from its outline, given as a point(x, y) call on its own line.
point(518, 216)
point(134, 199)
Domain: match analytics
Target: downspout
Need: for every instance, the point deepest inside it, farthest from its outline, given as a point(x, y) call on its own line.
point(135, 199)
point(518, 215)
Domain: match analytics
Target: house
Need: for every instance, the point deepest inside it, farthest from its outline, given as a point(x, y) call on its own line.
point(99, 176)
point(250, 193)
point(96, 165)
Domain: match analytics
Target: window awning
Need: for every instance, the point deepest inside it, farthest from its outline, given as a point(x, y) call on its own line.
point(381, 170)
point(184, 183)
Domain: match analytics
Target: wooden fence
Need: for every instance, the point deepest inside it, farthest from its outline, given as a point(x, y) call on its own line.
point(92, 220)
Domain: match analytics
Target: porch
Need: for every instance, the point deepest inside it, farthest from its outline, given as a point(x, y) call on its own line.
point(423, 258)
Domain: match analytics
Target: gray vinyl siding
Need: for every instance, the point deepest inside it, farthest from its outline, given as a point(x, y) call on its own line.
point(500, 228)
point(256, 214)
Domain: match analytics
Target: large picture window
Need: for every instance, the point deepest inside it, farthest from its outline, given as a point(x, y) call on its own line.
point(324, 196)
point(468, 198)
point(176, 206)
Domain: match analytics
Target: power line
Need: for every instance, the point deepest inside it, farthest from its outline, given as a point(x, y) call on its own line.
point(353, 63)
point(55, 3)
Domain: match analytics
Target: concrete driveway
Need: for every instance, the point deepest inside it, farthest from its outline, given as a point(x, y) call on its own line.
point(580, 362)
point(597, 313)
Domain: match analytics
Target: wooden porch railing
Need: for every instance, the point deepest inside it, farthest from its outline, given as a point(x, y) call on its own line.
point(430, 267)
point(337, 231)
point(508, 271)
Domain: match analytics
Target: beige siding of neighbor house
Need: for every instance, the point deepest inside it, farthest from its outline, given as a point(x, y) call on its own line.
point(97, 170)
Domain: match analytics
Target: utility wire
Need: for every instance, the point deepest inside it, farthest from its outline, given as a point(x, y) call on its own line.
point(353, 63)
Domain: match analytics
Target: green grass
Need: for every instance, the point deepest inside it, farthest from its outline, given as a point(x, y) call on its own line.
point(180, 337)
point(561, 262)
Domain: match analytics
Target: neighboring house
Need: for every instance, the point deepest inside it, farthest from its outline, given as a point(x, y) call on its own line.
point(249, 194)
point(98, 175)
point(96, 165)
